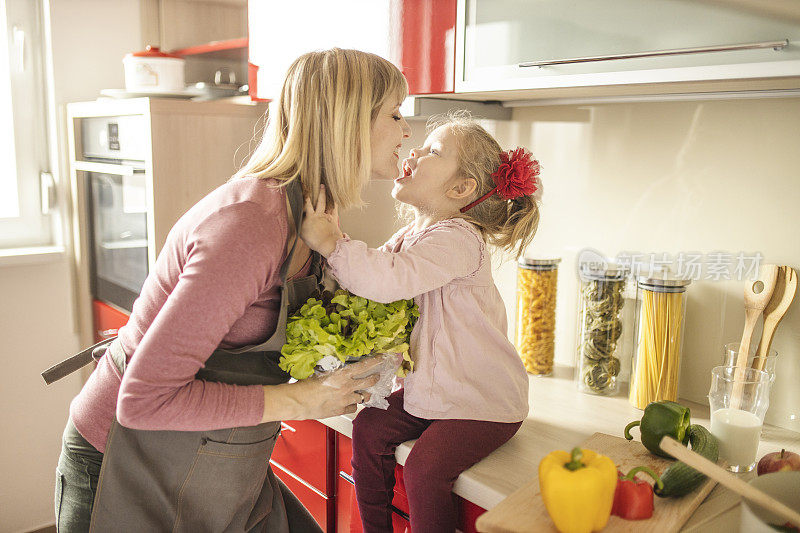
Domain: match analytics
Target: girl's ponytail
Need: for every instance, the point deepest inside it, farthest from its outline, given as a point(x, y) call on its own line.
point(521, 222)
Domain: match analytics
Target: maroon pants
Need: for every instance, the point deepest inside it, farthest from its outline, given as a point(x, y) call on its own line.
point(444, 449)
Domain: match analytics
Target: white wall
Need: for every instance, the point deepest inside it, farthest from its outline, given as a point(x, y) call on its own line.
point(37, 322)
point(658, 177)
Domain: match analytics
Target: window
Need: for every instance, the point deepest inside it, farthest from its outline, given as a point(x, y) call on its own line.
point(26, 188)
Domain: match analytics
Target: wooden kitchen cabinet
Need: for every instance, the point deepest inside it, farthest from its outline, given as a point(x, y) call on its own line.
point(496, 37)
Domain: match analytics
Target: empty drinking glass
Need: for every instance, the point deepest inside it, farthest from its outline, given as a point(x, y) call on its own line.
point(739, 399)
point(730, 353)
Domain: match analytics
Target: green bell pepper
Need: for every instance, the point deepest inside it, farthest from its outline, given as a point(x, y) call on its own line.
point(660, 419)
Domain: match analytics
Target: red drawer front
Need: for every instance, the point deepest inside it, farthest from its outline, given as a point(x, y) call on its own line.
point(427, 54)
point(301, 449)
point(107, 320)
point(316, 503)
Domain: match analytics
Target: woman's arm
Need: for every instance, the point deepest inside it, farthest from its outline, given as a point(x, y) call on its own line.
point(225, 264)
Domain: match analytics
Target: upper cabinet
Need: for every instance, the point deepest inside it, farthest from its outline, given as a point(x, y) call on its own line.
point(513, 45)
point(416, 35)
point(210, 34)
point(521, 49)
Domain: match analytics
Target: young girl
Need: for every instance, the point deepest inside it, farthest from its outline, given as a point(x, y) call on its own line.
point(468, 393)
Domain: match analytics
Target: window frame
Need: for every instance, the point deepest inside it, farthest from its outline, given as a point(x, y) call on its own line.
point(39, 224)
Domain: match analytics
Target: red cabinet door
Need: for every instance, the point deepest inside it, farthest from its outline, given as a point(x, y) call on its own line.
point(301, 448)
point(107, 320)
point(313, 500)
point(427, 52)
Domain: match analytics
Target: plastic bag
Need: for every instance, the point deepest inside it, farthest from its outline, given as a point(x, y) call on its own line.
point(387, 370)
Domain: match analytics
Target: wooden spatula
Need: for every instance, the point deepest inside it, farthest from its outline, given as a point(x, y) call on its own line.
point(782, 297)
point(726, 479)
point(756, 297)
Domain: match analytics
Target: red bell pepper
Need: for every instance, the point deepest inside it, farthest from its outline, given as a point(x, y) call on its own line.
point(633, 498)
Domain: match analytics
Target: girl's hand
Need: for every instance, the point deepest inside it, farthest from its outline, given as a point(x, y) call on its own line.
point(320, 229)
point(321, 396)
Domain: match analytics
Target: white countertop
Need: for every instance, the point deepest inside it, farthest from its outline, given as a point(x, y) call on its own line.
point(561, 418)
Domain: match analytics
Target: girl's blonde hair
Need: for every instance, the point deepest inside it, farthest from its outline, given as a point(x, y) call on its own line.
point(507, 224)
point(319, 128)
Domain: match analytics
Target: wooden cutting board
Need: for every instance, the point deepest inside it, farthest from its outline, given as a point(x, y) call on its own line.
point(524, 510)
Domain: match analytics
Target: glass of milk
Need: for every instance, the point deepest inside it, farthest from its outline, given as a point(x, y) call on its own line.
point(739, 399)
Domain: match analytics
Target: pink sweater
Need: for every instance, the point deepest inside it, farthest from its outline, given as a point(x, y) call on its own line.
point(214, 283)
point(465, 366)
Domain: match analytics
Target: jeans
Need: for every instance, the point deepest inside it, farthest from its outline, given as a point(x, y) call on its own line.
point(76, 482)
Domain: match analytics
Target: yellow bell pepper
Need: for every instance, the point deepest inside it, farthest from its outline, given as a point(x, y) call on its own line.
point(578, 489)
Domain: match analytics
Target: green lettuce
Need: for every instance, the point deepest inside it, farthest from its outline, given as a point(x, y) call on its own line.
point(348, 327)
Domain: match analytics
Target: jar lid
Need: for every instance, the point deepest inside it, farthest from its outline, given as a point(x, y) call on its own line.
point(539, 264)
point(154, 51)
point(606, 272)
point(663, 284)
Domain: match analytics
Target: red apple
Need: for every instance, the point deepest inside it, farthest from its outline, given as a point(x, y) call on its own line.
point(778, 461)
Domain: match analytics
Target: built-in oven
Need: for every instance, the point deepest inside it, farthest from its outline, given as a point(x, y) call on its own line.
point(112, 165)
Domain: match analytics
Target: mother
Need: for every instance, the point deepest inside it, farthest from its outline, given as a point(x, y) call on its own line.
point(179, 419)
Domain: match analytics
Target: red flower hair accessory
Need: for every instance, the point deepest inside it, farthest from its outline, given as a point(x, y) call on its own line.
point(517, 175)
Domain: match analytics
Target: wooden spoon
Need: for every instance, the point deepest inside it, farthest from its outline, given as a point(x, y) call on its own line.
point(726, 479)
point(782, 297)
point(756, 297)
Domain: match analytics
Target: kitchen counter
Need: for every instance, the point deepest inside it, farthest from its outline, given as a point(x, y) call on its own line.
point(561, 418)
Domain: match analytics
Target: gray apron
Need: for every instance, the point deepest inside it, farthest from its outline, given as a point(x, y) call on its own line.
point(197, 481)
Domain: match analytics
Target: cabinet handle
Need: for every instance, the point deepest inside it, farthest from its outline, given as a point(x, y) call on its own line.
point(106, 168)
point(107, 333)
point(287, 427)
point(775, 45)
point(347, 477)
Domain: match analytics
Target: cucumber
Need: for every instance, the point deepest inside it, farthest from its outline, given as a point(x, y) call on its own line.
point(679, 478)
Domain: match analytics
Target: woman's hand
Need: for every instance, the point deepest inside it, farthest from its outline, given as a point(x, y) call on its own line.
point(320, 229)
point(321, 396)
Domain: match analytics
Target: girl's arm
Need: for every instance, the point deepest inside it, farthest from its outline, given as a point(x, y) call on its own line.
point(444, 253)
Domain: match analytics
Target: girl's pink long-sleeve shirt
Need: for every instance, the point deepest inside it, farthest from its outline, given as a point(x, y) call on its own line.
point(464, 365)
point(215, 283)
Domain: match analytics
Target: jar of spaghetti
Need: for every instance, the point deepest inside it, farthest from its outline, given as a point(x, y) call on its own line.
point(660, 312)
point(536, 313)
point(600, 326)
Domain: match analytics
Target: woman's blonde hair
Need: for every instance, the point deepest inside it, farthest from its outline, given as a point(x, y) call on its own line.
point(507, 224)
point(319, 128)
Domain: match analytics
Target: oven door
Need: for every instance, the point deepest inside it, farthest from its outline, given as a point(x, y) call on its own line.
point(117, 218)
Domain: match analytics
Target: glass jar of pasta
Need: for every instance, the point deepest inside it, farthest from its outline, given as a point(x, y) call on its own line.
point(660, 312)
point(600, 326)
point(536, 313)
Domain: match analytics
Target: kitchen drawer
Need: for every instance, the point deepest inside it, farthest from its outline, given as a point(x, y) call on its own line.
point(107, 320)
point(313, 500)
point(301, 448)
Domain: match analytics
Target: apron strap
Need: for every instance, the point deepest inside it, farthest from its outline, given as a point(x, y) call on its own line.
point(76, 362)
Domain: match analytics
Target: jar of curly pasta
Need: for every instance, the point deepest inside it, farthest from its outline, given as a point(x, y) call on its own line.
point(536, 313)
point(600, 325)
